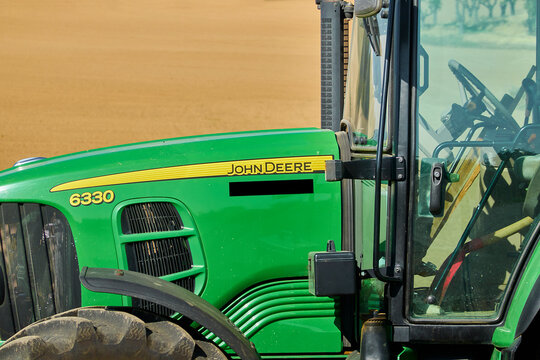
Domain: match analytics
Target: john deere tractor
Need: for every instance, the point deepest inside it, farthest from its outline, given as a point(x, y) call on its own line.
point(407, 227)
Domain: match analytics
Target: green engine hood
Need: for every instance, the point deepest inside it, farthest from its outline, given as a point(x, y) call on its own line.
point(245, 238)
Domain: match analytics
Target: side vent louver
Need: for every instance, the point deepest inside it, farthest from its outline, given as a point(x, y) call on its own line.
point(157, 257)
point(150, 217)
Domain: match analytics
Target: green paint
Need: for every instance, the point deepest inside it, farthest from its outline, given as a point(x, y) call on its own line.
point(370, 142)
point(407, 354)
point(504, 335)
point(371, 295)
point(237, 242)
point(496, 355)
point(275, 315)
point(309, 356)
point(364, 198)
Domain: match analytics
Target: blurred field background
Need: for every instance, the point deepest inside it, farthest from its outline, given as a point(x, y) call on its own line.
point(77, 75)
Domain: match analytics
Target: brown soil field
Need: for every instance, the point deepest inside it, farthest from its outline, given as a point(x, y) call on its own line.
point(77, 75)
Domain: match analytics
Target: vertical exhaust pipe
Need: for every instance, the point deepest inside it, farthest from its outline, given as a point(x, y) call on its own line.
point(334, 55)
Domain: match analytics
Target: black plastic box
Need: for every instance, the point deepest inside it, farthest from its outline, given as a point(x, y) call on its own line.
point(332, 273)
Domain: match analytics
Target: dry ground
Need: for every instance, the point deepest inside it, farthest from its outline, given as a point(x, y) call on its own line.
point(77, 75)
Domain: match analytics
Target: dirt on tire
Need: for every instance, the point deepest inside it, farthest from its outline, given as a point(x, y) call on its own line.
point(96, 333)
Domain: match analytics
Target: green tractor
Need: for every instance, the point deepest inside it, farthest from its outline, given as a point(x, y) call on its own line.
point(406, 228)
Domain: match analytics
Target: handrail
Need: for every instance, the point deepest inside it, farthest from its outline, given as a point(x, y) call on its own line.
point(380, 145)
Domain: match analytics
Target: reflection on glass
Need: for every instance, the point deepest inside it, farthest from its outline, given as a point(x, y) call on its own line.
point(477, 117)
point(364, 75)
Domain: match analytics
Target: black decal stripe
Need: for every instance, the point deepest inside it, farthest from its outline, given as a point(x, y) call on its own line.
point(279, 187)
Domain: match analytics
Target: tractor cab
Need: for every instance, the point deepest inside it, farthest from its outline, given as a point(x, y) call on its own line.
point(441, 109)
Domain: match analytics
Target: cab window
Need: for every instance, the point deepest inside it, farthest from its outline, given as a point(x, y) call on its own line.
point(477, 155)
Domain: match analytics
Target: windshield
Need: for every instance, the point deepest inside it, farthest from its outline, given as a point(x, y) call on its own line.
point(478, 140)
point(364, 76)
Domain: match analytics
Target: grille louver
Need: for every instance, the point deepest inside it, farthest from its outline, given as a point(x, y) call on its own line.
point(187, 283)
point(158, 258)
point(150, 217)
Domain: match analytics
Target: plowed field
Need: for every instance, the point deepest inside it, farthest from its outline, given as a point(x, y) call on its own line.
point(77, 75)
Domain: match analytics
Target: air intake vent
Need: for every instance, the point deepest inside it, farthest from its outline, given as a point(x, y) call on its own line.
point(150, 217)
point(188, 283)
point(158, 258)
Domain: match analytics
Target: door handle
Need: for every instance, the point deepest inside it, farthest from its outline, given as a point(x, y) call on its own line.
point(438, 189)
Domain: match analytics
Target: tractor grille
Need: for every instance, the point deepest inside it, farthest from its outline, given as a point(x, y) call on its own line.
point(150, 217)
point(187, 283)
point(39, 268)
point(158, 258)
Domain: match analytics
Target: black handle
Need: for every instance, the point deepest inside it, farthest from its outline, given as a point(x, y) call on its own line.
point(424, 55)
point(436, 196)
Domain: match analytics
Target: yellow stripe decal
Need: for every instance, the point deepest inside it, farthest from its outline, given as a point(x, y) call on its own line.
point(286, 165)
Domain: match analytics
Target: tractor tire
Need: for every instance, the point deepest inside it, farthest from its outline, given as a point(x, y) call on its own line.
point(97, 333)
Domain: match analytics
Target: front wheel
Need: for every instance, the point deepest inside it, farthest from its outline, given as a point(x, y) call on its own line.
point(97, 333)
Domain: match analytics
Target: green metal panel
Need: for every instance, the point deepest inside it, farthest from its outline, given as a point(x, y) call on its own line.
point(243, 240)
point(504, 335)
point(407, 354)
point(276, 315)
point(316, 335)
point(496, 355)
point(301, 356)
point(364, 198)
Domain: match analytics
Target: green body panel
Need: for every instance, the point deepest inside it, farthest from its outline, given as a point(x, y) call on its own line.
point(496, 355)
point(505, 335)
point(364, 218)
point(302, 356)
point(237, 242)
point(274, 316)
point(407, 354)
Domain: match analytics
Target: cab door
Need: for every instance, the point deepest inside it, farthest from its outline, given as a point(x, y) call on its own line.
point(475, 166)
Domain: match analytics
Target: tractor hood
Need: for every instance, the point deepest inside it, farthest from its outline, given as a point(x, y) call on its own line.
point(242, 208)
point(29, 181)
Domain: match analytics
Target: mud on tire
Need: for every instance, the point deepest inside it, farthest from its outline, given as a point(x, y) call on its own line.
point(97, 333)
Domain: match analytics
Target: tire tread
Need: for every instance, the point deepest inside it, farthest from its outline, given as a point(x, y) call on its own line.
point(97, 333)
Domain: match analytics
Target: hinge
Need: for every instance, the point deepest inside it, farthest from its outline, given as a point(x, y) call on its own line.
point(393, 169)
